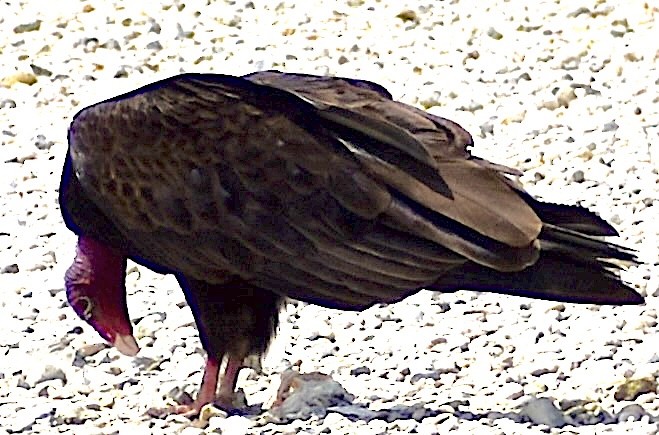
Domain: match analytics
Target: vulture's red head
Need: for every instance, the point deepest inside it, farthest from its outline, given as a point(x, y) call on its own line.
point(95, 288)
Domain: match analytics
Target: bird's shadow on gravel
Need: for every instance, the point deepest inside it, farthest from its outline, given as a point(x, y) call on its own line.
point(537, 411)
point(302, 396)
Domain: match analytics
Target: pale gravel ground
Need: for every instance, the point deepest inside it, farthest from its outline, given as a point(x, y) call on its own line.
point(498, 353)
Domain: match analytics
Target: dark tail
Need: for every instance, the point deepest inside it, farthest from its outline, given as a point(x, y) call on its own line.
point(573, 266)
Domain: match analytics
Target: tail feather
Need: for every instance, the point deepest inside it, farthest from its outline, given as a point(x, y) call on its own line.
point(573, 267)
point(582, 248)
point(573, 217)
point(552, 277)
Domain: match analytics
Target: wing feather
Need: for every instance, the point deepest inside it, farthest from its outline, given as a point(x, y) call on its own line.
point(317, 188)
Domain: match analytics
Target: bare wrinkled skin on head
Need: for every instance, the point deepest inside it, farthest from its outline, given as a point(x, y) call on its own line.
point(96, 292)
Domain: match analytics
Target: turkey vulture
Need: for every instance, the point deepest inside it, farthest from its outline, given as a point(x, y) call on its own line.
point(272, 185)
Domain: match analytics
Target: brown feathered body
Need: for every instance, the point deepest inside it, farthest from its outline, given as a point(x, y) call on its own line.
point(251, 189)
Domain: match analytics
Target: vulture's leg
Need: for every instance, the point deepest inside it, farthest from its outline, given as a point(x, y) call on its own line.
point(234, 319)
point(227, 393)
point(225, 398)
point(207, 389)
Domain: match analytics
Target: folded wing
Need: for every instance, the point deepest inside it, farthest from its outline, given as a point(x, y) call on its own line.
point(323, 189)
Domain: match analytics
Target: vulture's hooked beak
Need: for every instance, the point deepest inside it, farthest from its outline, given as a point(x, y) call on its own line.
point(126, 344)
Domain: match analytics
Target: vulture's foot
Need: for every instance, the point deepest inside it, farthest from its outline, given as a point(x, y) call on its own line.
point(205, 396)
point(230, 405)
point(189, 410)
point(227, 399)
